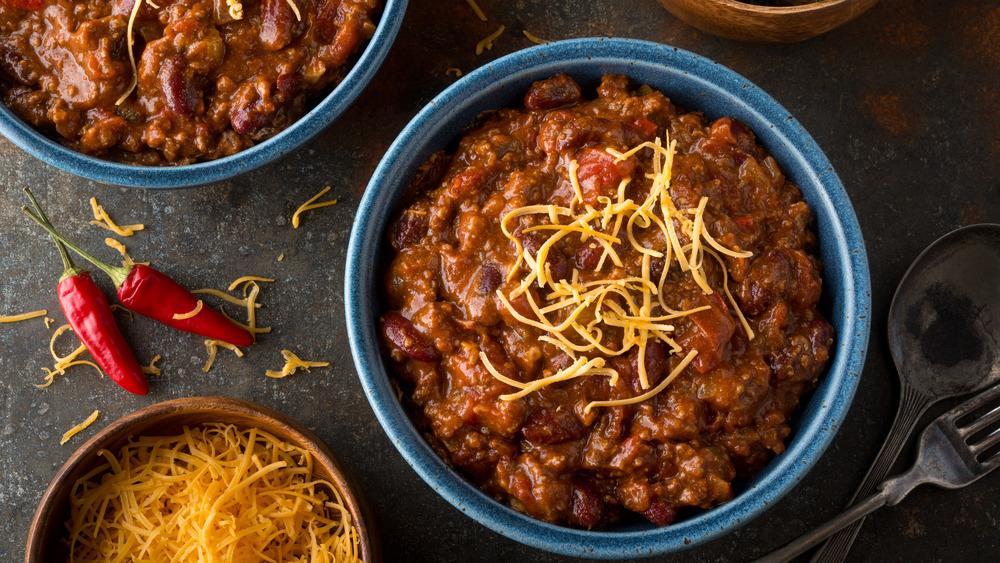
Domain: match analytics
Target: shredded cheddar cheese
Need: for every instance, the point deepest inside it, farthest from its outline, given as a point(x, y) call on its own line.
point(76, 429)
point(251, 290)
point(213, 492)
point(577, 316)
point(281, 257)
point(246, 279)
point(62, 363)
point(235, 9)
point(191, 313)
point(487, 42)
point(102, 219)
point(23, 317)
point(117, 245)
point(295, 9)
point(117, 307)
point(310, 205)
point(453, 72)
point(534, 39)
point(152, 369)
point(292, 364)
point(212, 346)
point(130, 42)
point(475, 8)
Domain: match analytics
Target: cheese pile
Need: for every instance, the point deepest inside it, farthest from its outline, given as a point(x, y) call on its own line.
point(212, 493)
point(577, 316)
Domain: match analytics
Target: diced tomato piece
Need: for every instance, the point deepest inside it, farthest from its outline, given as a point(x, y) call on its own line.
point(712, 330)
point(646, 127)
point(466, 181)
point(599, 174)
point(745, 222)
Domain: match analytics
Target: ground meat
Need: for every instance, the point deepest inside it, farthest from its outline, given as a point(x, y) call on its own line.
point(546, 452)
point(207, 85)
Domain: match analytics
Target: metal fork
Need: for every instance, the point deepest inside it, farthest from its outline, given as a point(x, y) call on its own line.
point(956, 449)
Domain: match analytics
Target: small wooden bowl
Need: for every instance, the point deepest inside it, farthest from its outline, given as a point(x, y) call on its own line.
point(166, 419)
point(733, 19)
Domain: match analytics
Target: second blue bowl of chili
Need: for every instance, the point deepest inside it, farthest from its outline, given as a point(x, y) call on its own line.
point(609, 272)
point(179, 94)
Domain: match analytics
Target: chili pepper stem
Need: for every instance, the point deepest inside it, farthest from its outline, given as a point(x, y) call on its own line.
point(117, 273)
point(69, 268)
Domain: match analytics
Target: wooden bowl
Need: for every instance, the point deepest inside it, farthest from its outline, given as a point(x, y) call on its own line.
point(766, 24)
point(166, 419)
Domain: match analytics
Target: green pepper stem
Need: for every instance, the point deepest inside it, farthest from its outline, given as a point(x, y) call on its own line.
point(69, 268)
point(117, 274)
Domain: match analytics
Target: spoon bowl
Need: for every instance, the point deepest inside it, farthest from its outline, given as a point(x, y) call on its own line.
point(944, 321)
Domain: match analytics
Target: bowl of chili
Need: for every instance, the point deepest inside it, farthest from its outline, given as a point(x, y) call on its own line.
point(377, 336)
point(210, 99)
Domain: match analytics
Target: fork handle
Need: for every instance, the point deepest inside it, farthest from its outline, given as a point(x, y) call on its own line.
point(912, 405)
point(810, 539)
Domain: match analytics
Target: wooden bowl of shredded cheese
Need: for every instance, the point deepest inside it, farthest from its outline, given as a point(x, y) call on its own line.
point(202, 479)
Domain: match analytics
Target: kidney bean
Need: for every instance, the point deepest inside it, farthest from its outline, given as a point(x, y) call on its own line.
point(326, 25)
point(660, 512)
point(179, 93)
point(489, 279)
point(588, 255)
point(551, 427)
point(250, 110)
point(408, 230)
point(556, 92)
point(400, 333)
point(16, 66)
point(588, 508)
point(558, 266)
point(820, 339)
point(288, 86)
point(275, 24)
point(765, 282)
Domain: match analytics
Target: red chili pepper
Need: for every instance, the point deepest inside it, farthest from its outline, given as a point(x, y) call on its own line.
point(90, 316)
point(152, 294)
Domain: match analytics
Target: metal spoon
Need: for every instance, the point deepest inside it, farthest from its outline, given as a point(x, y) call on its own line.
point(944, 335)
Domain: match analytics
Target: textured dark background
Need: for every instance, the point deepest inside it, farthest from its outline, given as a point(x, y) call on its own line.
point(904, 100)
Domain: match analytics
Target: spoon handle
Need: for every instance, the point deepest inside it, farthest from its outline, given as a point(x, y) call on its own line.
point(912, 404)
point(853, 513)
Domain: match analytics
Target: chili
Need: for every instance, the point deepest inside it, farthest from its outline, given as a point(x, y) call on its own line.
point(89, 314)
point(153, 294)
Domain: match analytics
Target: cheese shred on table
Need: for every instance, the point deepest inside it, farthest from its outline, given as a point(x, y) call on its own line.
point(102, 219)
point(310, 205)
point(76, 429)
point(475, 8)
point(487, 42)
point(22, 316)
point(62, 363)
point(534, 39)
point(212, 493)
point(292, 364)
point(633, 307)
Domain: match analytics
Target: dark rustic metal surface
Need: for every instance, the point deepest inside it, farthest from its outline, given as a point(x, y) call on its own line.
point(904, 100)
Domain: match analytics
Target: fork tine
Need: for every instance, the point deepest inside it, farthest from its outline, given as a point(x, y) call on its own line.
point(992, 439)
point(982, 422)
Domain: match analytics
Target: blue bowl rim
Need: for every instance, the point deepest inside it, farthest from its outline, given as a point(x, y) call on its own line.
point(824, 413)
point(331, 107)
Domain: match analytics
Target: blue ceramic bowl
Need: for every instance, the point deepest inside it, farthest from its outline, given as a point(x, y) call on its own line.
point(188, 176)
point(693, 83)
